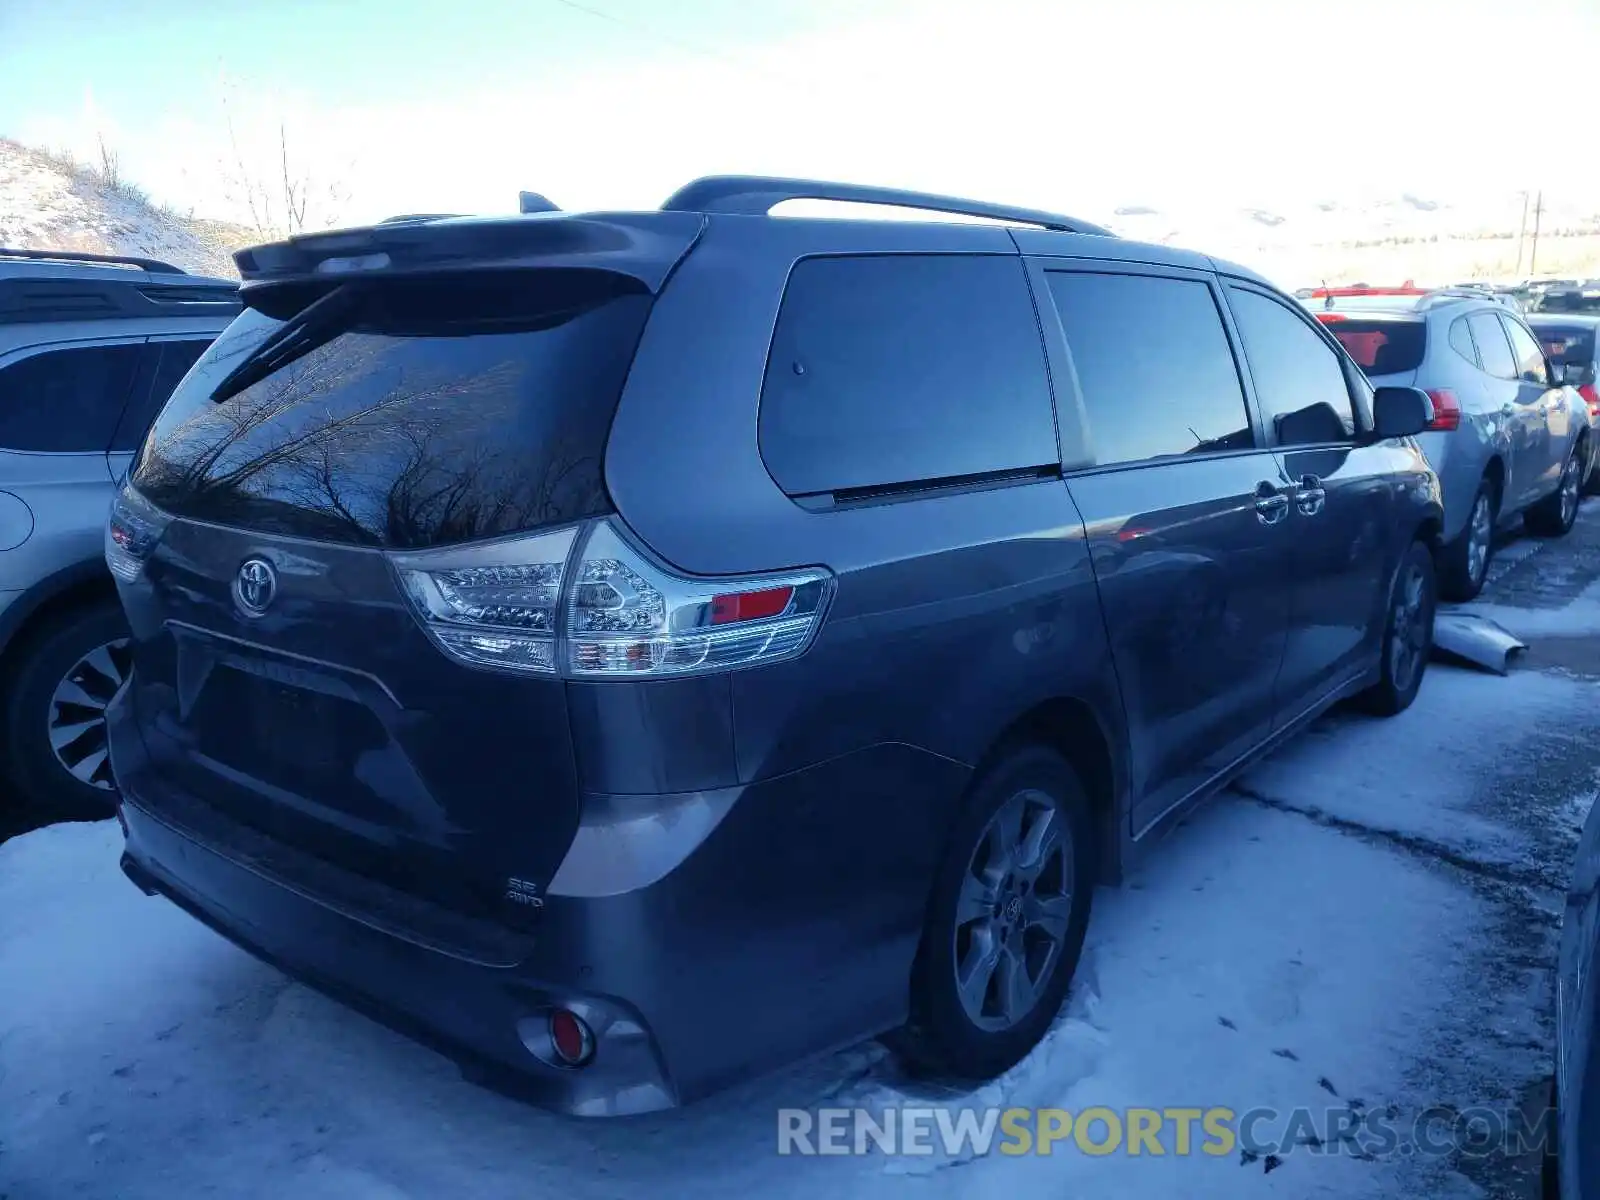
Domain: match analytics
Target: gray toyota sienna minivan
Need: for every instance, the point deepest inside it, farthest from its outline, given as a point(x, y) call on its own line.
point(633, 651)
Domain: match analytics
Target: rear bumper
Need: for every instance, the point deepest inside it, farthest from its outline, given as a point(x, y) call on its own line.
point(774, 935)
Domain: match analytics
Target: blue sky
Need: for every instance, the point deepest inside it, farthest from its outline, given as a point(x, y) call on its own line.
point(411, 105)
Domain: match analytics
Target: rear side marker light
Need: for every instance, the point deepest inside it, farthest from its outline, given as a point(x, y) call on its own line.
point(750, 606)
point(596, 606)
point(571, 1038)
point(1446, 410)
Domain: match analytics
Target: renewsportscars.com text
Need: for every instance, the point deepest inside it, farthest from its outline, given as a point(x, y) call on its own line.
point(1214, 1131)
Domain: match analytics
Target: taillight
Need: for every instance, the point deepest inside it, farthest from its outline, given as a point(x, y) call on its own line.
point(132, 533)
point(1591, 397)
point(627, 616)
point(493, 604)
point(1446, 410)
point(531, 605)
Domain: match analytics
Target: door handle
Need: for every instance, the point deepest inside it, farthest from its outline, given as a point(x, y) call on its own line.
point(1310, 496)
point(1271, 504)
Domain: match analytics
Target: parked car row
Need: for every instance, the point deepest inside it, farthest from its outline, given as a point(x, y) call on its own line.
point(1510, 440)
point(1570, 296)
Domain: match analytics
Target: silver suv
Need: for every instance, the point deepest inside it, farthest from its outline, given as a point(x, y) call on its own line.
point(90, 348)
point(1507, 439)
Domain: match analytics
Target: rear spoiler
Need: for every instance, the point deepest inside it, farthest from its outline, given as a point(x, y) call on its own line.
point(643, 246)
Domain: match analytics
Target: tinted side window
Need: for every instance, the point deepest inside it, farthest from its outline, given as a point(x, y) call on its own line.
point(1154, 365)
point(1529, 354)
point(1300, 383)
point(1493, 349)
point(163, 367)
point(66, 400)
point(1461, 340)
point(903, 368)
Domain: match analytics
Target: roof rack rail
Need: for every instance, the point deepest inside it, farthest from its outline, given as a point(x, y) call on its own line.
point(1462, 291)
point(28, 299)
point(406, 217)
point(533, 202)
point(153, 265)
point(758, 195)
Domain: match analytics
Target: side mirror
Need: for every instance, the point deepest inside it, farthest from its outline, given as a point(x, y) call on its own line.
point(1558, 374)
point(1400, 412)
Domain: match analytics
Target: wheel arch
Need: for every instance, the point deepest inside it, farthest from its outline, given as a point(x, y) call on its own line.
point(1430, 531)
point(1074, 729)
point(1495, 472)
point(77, 586)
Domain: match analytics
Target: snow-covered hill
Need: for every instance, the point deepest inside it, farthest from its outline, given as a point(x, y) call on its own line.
point(50, 202)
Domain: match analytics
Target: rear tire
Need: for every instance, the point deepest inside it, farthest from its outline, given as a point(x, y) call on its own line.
point(1407, 635)
point(1005, 927)
point(1555, 515)
point(1464, 562)
point(54, 735)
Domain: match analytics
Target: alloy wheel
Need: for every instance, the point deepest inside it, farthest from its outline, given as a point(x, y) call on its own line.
point(1014, 911)
point(1571, 485)
point(1409, 631)
point(1480, 533)
point(75, 721)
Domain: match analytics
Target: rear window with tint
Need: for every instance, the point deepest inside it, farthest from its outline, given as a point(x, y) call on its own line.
point(435, 411)
point(1382, 347)
point(904, 369)
point(1494, 351)
point(163, 366)
point(66, 401)
point(1566, 344)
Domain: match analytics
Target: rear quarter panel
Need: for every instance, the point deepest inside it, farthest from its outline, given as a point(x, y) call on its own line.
point(1462, 456)
point(68, 497)
point(954, 613)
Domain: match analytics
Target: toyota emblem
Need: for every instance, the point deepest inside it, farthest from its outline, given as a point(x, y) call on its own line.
point(255, 586)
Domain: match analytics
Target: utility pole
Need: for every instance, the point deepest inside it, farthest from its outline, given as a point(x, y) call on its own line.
point(1533, 254)
point(1522, 233)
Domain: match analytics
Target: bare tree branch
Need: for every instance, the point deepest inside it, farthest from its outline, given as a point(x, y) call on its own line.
point(278, 193)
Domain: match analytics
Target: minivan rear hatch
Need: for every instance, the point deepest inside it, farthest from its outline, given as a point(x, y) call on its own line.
point(337, 428)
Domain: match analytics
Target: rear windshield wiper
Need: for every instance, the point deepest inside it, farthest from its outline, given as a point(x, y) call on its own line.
point(299, 335)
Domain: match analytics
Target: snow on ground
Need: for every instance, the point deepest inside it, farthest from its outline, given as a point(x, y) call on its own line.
point(1580, 619)
point(1365, 919)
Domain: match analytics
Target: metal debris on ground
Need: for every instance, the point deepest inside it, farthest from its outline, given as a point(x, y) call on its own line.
point(1470, 640)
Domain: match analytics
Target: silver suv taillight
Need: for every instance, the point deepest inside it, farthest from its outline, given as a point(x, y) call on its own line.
point(132, 533)
point(606, 609)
